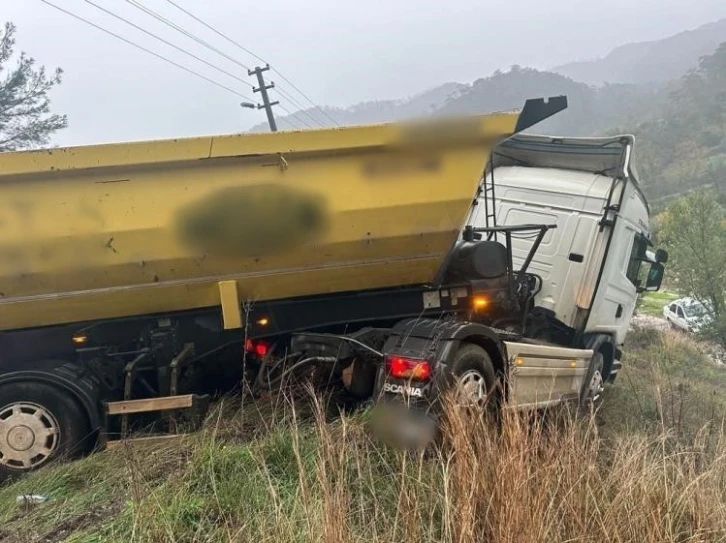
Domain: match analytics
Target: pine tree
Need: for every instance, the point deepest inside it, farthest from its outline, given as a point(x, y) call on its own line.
point(25, 117)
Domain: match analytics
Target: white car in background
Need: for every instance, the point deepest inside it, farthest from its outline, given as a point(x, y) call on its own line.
point(687, 314)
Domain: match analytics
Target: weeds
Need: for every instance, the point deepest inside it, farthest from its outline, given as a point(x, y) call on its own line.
point(658, 474)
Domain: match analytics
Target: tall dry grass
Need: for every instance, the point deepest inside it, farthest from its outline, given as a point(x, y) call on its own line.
point(649, 467)
point(556, 480)
point(528, 479)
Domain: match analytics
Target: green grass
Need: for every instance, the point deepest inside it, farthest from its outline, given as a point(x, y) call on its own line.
point(651, 303)
point(81, 493)
point(666, 385)
point(648, 467)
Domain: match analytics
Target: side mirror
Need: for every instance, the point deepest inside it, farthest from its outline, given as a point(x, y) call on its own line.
point(661, 255)
point(655, 276)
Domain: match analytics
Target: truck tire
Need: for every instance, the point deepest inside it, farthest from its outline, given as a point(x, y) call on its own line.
point(39, 423)
point(592, 386)
point(475, 378)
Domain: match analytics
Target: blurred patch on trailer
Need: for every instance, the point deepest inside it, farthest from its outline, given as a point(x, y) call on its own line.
point(253, 220)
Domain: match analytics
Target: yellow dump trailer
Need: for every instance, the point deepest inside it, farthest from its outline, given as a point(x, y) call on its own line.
point(138, 277)
point(136, 228)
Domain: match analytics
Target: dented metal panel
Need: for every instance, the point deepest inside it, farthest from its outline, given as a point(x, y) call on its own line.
point(119, 230)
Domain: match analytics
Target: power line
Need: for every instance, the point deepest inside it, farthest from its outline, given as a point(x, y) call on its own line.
point(162, 40)
point(291, 114)
point(188, 34)
point(177, 6)
point(287, 121)
point(142, 48)
point(233, 42)
point(316, 106)
point(178, 28)
point(296, 104)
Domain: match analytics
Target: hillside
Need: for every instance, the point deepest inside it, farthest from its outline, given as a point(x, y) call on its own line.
point(648, 468)
point(649, 62)
point(375, 111)
point(603, 93)
point(589, 109)
point(679, 127)
point(681, 137)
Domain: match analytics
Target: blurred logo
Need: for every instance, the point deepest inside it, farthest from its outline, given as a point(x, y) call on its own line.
point(252, 220)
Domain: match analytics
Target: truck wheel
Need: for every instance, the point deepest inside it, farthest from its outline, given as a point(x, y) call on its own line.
point(475, 378)
point(593, 384)
point(38, 424)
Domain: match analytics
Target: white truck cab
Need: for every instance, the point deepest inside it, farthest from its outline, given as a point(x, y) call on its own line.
point(590, 263)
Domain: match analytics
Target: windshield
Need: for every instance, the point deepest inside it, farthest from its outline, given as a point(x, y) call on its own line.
point(695, 310)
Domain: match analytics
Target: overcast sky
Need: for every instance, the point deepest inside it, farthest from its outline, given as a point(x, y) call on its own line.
point(337, 51)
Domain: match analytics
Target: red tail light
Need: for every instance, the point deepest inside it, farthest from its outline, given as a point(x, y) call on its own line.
point(260, 348)
point(408, 368)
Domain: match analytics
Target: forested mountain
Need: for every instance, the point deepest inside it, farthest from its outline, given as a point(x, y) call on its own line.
point(636, 74)
point(590, 109)
point(374, 111)
point(682, 139)
point(649, 62)
point(680, 125)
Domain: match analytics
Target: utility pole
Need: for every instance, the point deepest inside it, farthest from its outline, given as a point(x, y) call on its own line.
point(262, 89)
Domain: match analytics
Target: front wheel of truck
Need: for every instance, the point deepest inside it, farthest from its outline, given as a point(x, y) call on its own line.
point(475, 378)
point(593, 384)
point(38, 424)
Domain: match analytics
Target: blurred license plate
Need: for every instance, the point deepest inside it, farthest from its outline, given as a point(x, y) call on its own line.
point(402, 426)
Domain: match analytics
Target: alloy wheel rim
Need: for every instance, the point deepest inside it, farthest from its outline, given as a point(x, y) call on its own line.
point(29, 435)
point(596, 386)
point(472, 389)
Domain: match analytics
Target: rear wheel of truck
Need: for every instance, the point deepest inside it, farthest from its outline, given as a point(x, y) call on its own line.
point(475, 378)
point(38, 424)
